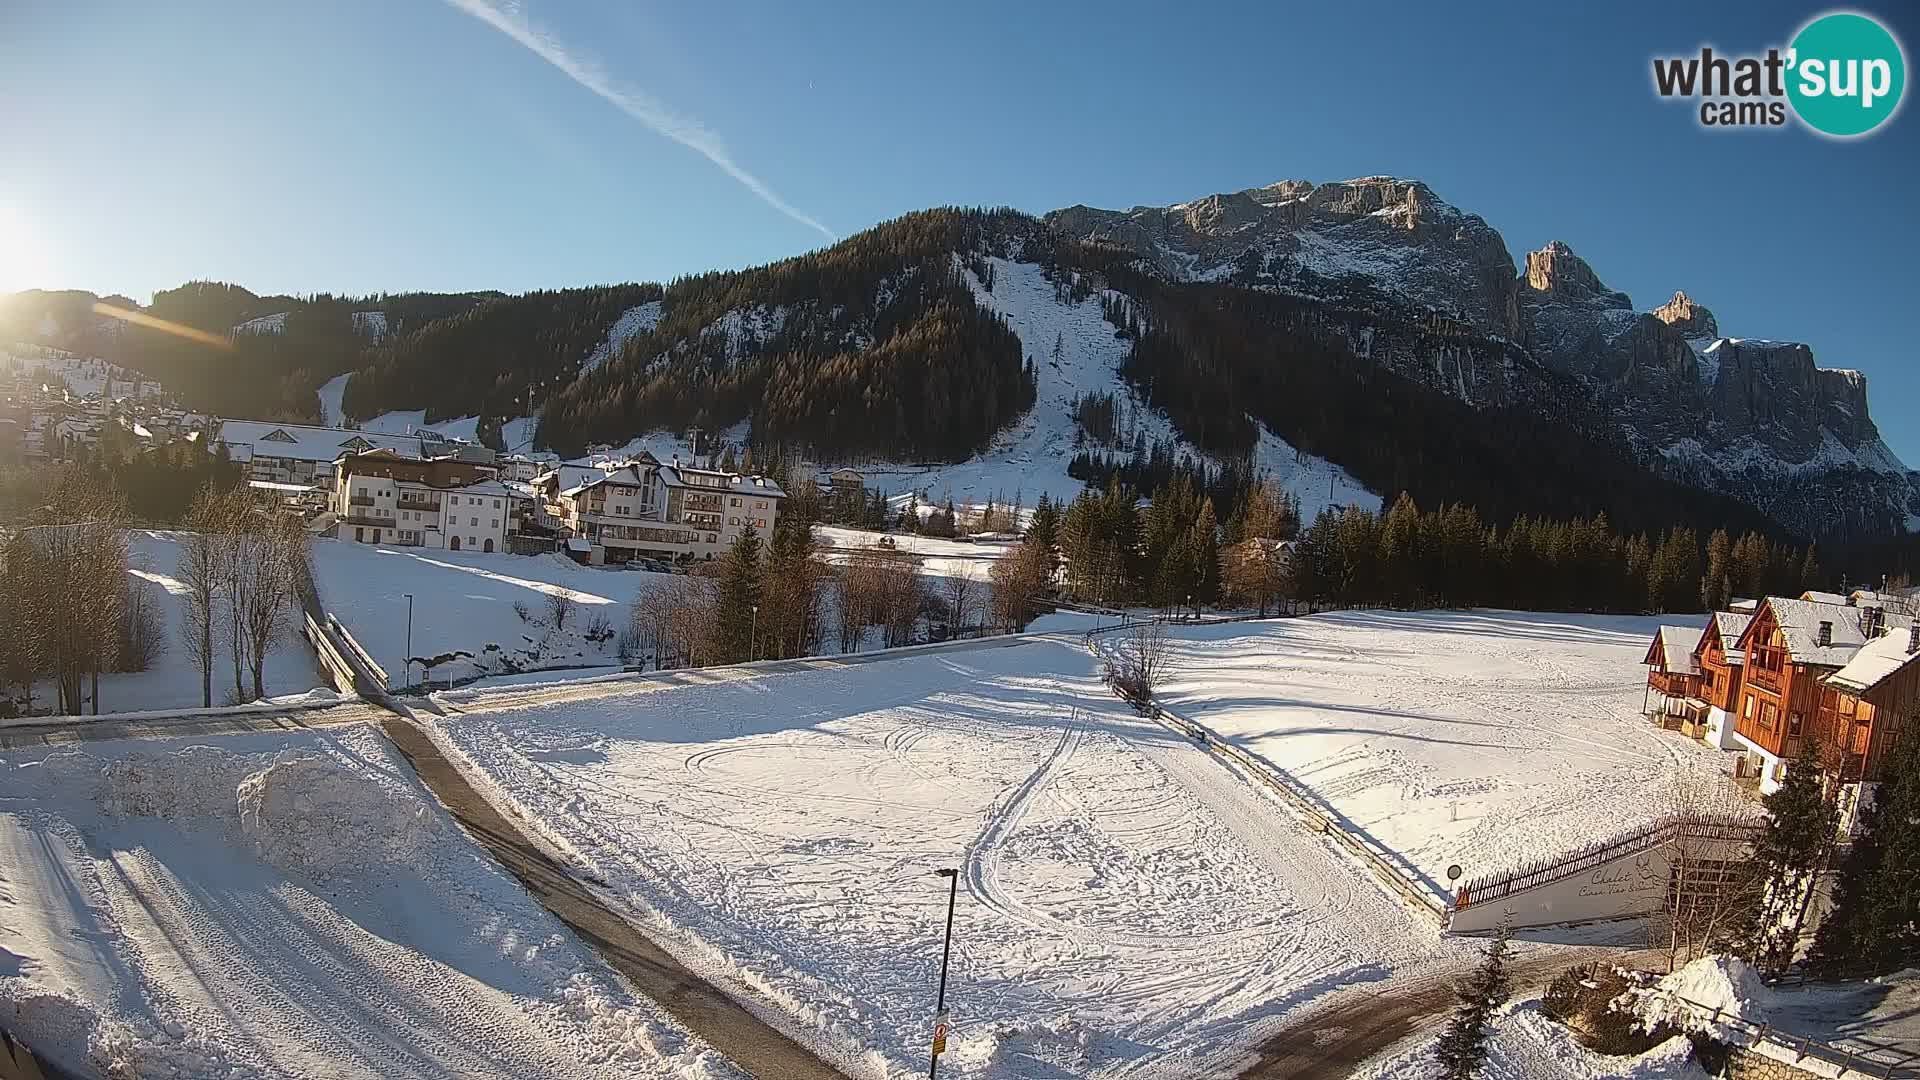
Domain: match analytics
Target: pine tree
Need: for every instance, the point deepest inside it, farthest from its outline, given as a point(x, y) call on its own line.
point(1714, 587)
point(1044, 528)
point(1801, 820)
point(735, 616)
point(1463, 1048)
point(1874, 927)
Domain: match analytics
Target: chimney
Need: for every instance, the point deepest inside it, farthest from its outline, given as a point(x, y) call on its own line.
point(1874, 622)
point(1913, 638)
point(1825, 637)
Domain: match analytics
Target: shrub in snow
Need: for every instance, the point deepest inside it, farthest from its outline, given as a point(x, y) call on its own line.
point(520, 609)
point(1595, 1004)
point(559, 606)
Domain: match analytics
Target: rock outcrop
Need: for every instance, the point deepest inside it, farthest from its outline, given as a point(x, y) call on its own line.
point(1755, 419)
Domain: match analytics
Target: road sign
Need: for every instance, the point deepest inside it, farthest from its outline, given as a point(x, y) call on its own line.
point(940, 1033)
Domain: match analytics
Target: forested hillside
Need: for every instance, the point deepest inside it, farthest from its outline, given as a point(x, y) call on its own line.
point(872, 345)
point(490, 358)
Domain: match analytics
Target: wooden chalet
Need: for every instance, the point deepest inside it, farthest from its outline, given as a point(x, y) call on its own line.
point(1791, 647)
point(1673, 675)
point(1721, 664)
point(1864, 706)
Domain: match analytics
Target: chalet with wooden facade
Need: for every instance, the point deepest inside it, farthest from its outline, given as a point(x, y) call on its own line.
point(1792, 649)
point(1721, 664)
point(1674, 676)
point(1865, 706)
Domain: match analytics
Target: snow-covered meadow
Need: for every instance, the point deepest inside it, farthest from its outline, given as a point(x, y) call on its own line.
point(288, 905)
point(463, 602)
point(1480, 738)
point(1127, 905)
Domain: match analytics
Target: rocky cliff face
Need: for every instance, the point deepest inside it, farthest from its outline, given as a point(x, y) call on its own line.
point(1432, 292)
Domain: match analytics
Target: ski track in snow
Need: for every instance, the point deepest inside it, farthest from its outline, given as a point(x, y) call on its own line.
point(1130, 905)
point(289, 906)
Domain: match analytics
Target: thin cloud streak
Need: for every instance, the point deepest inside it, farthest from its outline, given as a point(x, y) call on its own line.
point(684, 130)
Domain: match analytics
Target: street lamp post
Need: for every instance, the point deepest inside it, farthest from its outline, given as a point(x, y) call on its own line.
point(940, 1002)
point(753, 635)
point(407, 675)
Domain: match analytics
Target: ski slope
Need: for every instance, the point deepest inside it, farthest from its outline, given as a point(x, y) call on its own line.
point(1127, 906)
point(289, 905)
point(1031, 457)
point(1481, 738)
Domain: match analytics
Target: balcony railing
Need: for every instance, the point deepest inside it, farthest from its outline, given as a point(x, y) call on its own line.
point(361, 500)
point(1765, 678)
point(405, 503)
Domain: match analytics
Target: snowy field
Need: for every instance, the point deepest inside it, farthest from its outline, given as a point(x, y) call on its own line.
point(935, 556)
point(173, 682)
point(292, 906)
point(1479, 738)
point(1127, 905)
point(463, 603)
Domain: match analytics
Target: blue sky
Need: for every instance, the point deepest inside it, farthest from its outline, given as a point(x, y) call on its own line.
point(366, 145)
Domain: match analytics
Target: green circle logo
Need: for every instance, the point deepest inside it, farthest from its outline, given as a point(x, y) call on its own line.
point(1846, 74)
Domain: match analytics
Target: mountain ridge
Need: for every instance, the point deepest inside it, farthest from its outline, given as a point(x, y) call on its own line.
point(832, 351)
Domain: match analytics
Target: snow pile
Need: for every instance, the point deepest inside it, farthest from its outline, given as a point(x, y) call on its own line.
point(1058, 1047)
point(118, 1048)
point(1524, 1044)
point(311, 813)
point(193, 785)
point(289, 904)
point(1704, 995)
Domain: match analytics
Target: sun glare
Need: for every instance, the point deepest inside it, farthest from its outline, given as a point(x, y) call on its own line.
point(19, 260)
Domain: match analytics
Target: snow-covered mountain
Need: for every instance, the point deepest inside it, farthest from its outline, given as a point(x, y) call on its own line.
point(1755, 419)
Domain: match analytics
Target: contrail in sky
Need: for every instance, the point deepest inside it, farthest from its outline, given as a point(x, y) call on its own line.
point(508, 19)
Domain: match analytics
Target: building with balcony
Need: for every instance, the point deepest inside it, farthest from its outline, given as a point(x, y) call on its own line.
point(1793, 647)
point(304, 454)
point(383, 497)
point(645, 509)
point(1673, 678)
point(1721, 665)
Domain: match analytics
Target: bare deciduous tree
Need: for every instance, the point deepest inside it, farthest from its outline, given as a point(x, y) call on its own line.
point(1710, 881)
point(560, 604)
point(1013, 581)
point(1141, 662)
point(73, 563)
point(200, 570)
point(960, 590)
point(143, 632)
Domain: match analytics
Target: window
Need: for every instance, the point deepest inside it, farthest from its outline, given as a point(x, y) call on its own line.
point(475, 523)
point(1795, 722)
point(735, 502)
point(1769, 715)
point(1747, 709)
point(496, 504)
point(761, 505)
point(496, 523)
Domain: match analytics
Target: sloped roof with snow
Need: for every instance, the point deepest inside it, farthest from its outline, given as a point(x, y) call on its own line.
point(1673, 646)
point(1800, 620)
point(1818, 597)
point(1876, 661)
point(1730, 625)
point(301, 442)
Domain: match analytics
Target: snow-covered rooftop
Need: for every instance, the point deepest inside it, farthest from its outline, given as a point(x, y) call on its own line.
point(1800, 622)
point(1877, 661)
point(1730, 625)
point(302, 442)
point(1676, 645)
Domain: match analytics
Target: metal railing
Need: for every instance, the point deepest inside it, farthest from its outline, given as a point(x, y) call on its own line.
point(1865, 1059)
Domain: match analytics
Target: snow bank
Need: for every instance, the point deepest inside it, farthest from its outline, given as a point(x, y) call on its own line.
point(289, 904)
point(1703, 995)
point(310, 813)
point(1524, 1044)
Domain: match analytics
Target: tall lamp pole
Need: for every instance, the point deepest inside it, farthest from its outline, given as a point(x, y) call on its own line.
point(753, 636)
point(940, 1003)
point(408, 674)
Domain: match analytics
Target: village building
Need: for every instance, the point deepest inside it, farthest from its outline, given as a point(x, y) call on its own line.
point(304, 454)
point(1863, 708)
point(644, 509)
point(384, 497)
point(1674, 676)
point(1792, 646)
point(1721, 664)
